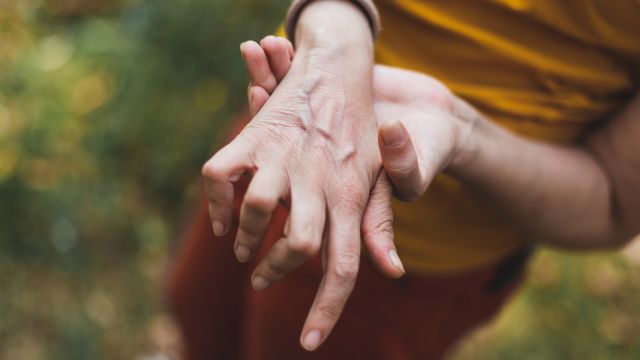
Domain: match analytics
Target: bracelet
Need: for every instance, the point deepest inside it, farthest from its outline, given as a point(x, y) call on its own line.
point(297, 6)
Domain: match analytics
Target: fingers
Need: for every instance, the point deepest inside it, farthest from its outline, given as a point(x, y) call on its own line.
point(400, 160)
point(289, 47)
point(267, 187)
point(271, 61)
point(343, 260)
point(279, 55)
point(260, 73)
point(302, 241)
point(377, 229)
point(219, 173)
point(257, 98)
point(220, 212)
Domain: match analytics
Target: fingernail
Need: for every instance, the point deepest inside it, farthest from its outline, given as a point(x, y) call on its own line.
point(218, 228)
point(393, 134)
point(260, 283)
point(312, 340)
point(242, 253)
point(395, 259)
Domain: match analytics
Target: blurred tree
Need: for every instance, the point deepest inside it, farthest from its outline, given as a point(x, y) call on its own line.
point(80, 7)
point(107, 111)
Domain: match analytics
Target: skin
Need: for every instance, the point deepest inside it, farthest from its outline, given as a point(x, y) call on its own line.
point(377, 223)
point(579, 196)
point(582, 196)
point(320, 117)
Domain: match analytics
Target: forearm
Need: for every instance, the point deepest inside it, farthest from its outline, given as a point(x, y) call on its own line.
point(333, 38)
point(556, 194)
point(334, 61)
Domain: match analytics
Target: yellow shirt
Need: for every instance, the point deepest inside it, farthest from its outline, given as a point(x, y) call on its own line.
point(546, 69)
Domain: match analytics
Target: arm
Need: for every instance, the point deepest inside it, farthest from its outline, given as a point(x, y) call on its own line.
point(577, 196)
point(571, 196)
point(581, 196)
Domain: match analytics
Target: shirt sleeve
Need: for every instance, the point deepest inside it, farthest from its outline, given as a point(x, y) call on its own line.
point(297, 6)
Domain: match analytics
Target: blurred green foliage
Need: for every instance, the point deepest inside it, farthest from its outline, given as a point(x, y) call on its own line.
point(570, 307)
point(107, 110)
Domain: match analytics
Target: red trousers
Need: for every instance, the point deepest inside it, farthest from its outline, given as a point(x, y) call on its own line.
point(416, 317)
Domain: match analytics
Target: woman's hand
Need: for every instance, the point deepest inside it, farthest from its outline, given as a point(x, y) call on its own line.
point(312, 145)
point(422, 126)
point(571, 195)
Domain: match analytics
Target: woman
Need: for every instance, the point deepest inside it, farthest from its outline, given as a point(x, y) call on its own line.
point(547, 72)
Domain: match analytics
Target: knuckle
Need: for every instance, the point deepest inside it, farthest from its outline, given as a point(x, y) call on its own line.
point(273, 271)
point(260, 202)
point(346, 268)
point(266, 81)
point(213, 170)
point(403, 167)
point(247, 233)
point(441, 98)
point(438, 94)
point(303, 246)
point(352, 199)
point(381, 227)
point(218, 204)
point(328, 311)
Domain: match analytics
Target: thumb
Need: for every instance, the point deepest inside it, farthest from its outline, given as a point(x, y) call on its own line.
point(400, 160)
point(377, 229)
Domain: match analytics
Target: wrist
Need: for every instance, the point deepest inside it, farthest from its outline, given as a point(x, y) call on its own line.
point(333, 66)
point(367, 7)
point(335, 50)
point(336, 23)
point(473, 140)
point(335, 43)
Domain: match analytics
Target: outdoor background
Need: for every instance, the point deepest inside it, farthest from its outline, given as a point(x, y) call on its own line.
point(107, 110)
